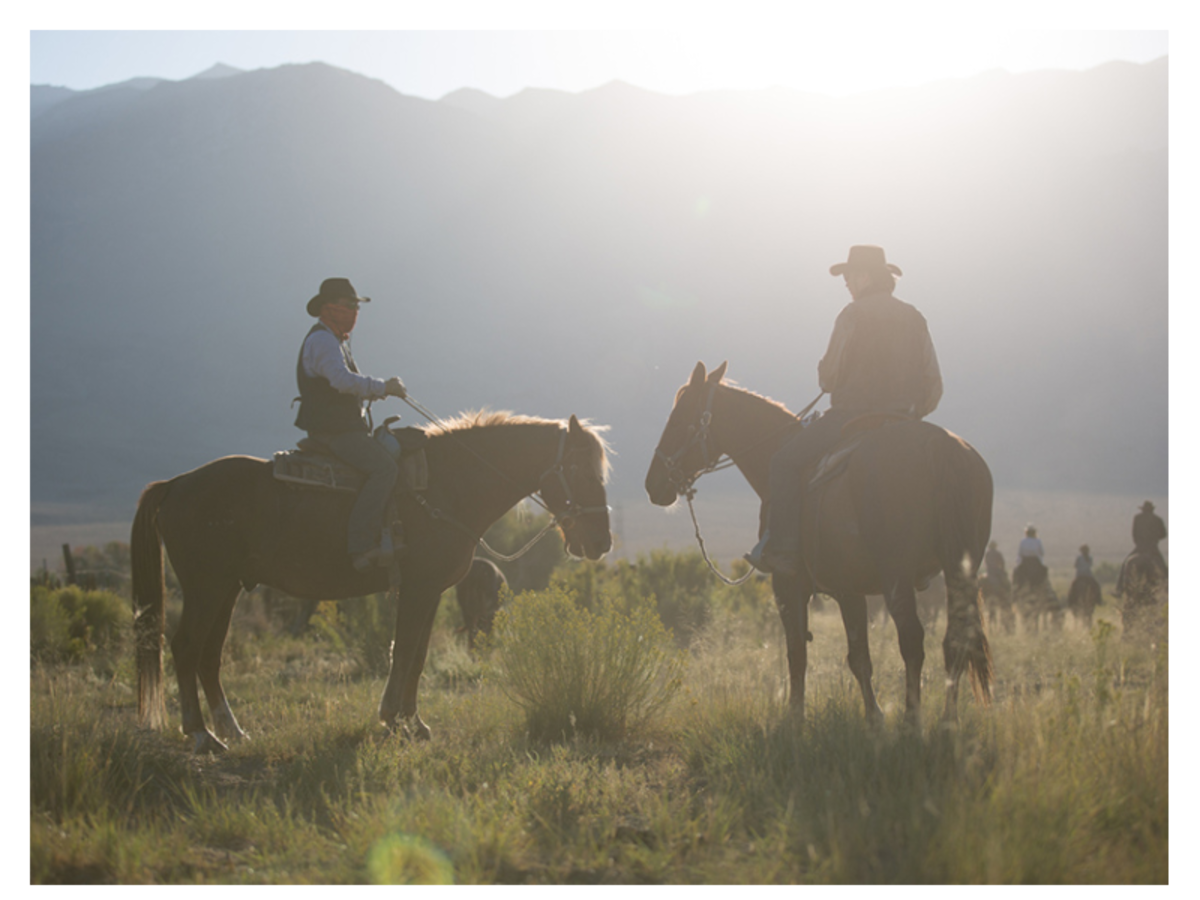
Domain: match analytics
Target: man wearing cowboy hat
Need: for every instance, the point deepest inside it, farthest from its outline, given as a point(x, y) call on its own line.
point(332, 391)
point(1148, 530)
point(880, 358)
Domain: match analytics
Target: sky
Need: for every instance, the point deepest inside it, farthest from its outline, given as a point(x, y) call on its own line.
point(431, 64)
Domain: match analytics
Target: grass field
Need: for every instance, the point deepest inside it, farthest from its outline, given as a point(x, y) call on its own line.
point(1063, 780)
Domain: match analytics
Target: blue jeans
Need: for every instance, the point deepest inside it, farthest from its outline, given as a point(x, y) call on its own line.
point(366, 454)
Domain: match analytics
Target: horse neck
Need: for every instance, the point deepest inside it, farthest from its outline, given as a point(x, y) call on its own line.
point(749, 429)
point(494, 467)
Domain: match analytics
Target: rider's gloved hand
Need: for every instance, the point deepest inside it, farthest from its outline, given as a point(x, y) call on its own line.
point(394, 387)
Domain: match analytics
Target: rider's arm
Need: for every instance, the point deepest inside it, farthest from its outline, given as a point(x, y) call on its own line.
point(322, 356)
point(829, 369)
point(931, 378)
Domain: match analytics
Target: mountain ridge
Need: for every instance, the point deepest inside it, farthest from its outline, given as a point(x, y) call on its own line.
point(555, 253)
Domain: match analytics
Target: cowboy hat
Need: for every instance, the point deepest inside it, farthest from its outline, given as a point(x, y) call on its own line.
point(333, 289)
point(1147, 506)
point(864, 258)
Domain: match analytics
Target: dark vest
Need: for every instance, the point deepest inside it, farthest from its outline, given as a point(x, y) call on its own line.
point(323, 409)
point(884, 364)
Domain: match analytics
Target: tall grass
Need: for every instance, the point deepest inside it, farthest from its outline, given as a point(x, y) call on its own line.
point(1063, 780)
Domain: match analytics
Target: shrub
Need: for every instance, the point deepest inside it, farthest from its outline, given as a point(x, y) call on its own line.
point(574, 671)
point(68, 623)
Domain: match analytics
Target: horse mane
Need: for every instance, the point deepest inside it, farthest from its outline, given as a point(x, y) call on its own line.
point(733, 385)
point(502, 418)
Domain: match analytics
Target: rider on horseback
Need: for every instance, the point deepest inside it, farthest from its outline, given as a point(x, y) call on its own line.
point(880, 359)
point(1030, 570)
point(332, 392)
point(1148, 530)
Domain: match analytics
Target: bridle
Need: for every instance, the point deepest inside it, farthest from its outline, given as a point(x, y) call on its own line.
point(572, 510)
point(698, 434)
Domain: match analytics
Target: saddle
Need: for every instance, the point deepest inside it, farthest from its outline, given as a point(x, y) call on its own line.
point(853, 433)
point(313, 465)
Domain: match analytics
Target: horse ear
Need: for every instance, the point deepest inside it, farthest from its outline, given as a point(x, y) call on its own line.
point(718, 373)
point(573, 427)
point(698, 375)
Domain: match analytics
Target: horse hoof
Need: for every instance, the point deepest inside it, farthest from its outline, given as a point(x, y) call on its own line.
point(417, 731)
point(206, 742)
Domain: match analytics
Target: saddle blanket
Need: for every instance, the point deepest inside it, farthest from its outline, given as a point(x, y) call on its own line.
point(313, 468)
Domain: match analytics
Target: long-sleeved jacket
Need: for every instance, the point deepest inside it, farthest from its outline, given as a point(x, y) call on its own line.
point(1148, 530)
point(880, 356)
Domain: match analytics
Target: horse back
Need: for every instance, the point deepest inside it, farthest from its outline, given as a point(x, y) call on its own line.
point(885, 512)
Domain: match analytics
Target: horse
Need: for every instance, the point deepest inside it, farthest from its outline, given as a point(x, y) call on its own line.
point(478, 596)
point(913, 500)
point(1034, 596)
point(1144, 584)
point(996, 591)
point(1083, 598)
point(230, 525)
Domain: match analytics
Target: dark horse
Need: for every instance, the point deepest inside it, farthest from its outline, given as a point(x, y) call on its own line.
point(1144, 582)
point(913, 500)
point(230, 525)
point(478, 596)
point(1083, 598)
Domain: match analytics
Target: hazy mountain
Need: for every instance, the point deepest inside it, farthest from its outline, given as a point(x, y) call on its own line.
point(558, 253)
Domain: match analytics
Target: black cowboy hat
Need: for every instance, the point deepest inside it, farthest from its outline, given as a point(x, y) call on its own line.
point(864, 258)
point(333, 289)
point(1147, 506)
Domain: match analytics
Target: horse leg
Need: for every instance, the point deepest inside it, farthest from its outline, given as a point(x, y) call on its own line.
point(965, 648)
point(792, 602)
point(201, 610)
point(209, 671)
point(902, 604)
point(414, 620)
point(858, 656)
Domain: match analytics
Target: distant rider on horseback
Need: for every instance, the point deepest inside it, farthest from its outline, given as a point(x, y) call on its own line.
point(1148, 530)
point(332, 391)
point(1030, 570)
point(880, 359)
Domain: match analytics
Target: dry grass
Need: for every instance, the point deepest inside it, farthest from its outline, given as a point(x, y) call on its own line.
point(1064, 780)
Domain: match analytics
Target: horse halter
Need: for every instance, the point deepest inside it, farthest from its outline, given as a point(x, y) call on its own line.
point(572, 510)
point(698, 434)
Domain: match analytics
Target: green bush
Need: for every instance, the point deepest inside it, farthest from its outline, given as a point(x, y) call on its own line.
point(67, 624)
point(575, 671)
point(686, 593)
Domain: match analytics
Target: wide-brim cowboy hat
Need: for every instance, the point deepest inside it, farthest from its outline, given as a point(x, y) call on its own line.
point(333, 289)
point(864, 258)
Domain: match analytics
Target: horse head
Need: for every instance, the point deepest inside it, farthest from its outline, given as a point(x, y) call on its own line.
point(573, 489)
point(686, 447)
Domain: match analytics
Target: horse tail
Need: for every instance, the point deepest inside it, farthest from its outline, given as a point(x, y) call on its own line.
point(963, 495)
point(149, 615)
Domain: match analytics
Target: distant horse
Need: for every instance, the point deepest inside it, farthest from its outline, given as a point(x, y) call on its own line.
point(913, 500)
point(478, 596)
point(1083, 598)
point(230, 525)
point(1144, 583)
point(997, 600)
point(1034, 596)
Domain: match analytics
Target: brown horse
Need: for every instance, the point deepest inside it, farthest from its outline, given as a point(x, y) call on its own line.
point(913, 500)
point(230, 525)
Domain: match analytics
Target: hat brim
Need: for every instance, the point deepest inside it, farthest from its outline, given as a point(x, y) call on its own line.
point(839, 268)
point(315, 304)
